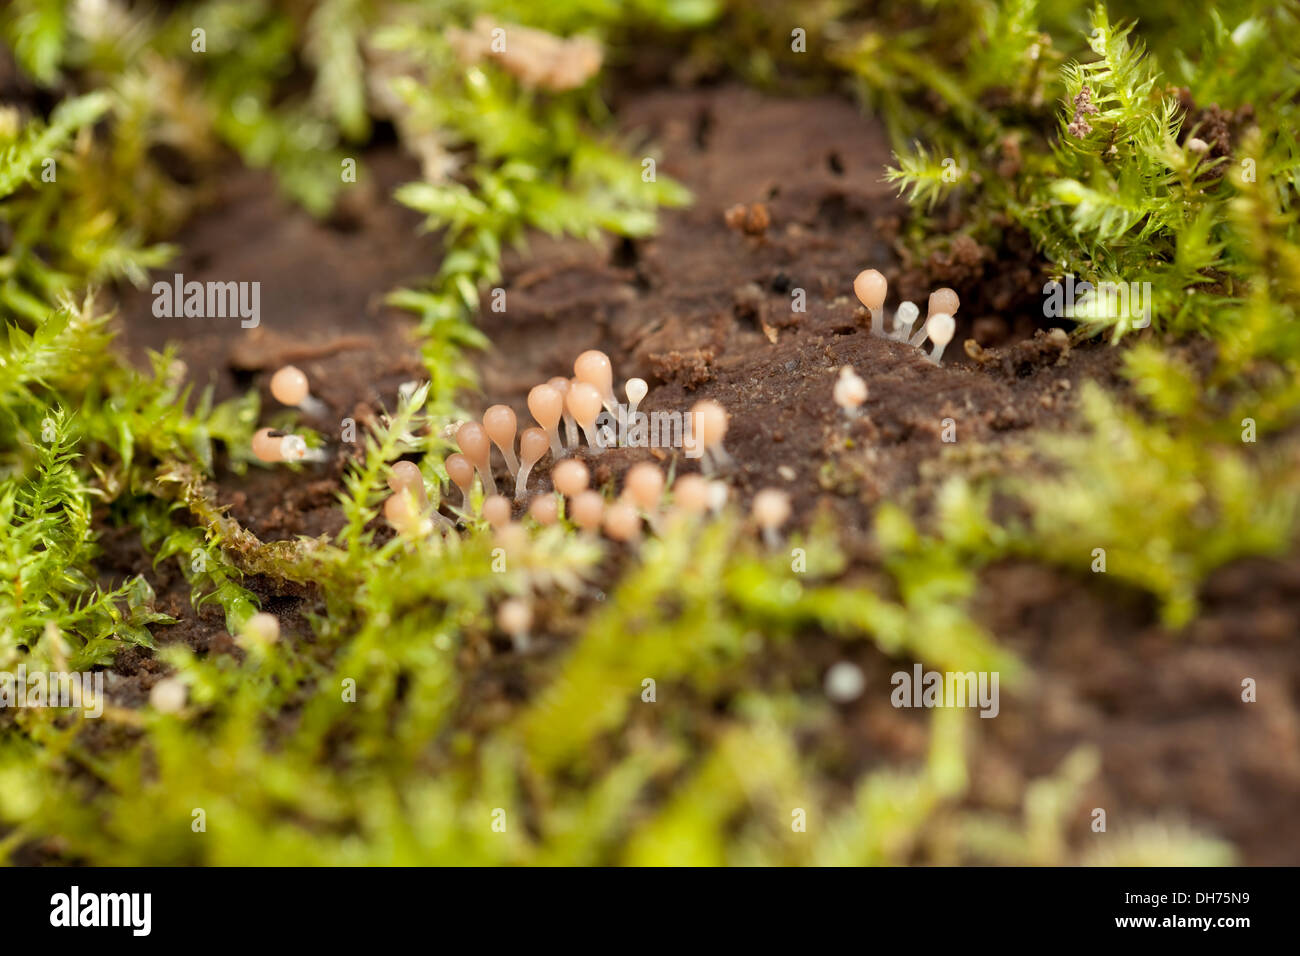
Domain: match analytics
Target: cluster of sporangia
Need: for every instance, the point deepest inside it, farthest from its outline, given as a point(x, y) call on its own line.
point(289, 386)
point(566, 410)
point(939, 326)
point(574, 405)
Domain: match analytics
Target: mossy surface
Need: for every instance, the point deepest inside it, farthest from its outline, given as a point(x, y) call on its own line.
point(1161, 152)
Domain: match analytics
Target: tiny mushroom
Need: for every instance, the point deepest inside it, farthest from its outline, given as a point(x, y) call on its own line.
point(691, 494)
point(562, 385)
point(546, 405)
point(942, 302)
point(583, 402)
point(622, 523)
point(496, 510)
point(406, 475)
point(636, 390)
point(644, 485)
point(904, 319)
point(461, 472)
point(594, 368)
point(289, 387)
point(586, 510)
point(941, 328)
point(266, 444)
point(870, 287)
point(403, 512)
point(844, 682)
point(771, 511)
point(544, 509)
point(511, 537)
point(270, 445)
point(515, 618)
point(570, 477)
point(500, 424)
point(850, 391)
point(260, 630)
point(474, 444)
point(533, 444)
point(709, 422)
point(167, 696)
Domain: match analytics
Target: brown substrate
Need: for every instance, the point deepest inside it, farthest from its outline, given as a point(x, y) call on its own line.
point(704, 310)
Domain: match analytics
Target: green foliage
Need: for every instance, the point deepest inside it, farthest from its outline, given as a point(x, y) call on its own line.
point(1167, 507)
point(23, 153)
point(38, 30)
point(47, 588)
point(400, 615)
point(536, 167)
point(1118, 193)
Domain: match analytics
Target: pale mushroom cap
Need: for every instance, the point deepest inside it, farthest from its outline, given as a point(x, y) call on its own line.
point(944, 300)
point(844, 682)
point(500, 424)
point(691, 493)
point(644, 484)
point(263, 627)
point(514, 616)
point(544, 509)
point(586, 509)
point(460, 470)
point(710, 421)
point(594, 367)
point(870, 288)
point(496, 510)
point(636, 389)
point(622, 523)
point(941, 328)
point(167, 696)
point(401, 511)
point(266, 445)
point(907, 313)
point(512, 536)
point(289, 385)
point(560, 384)
point(546, 405)
point(570, 477)
point(406, 474)
point(533, 444)
point(473, 441)
point(771, 508)
point(583, 402)
point(850, 390)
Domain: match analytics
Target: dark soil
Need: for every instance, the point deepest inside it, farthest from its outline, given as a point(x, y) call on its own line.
point(704, 310)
